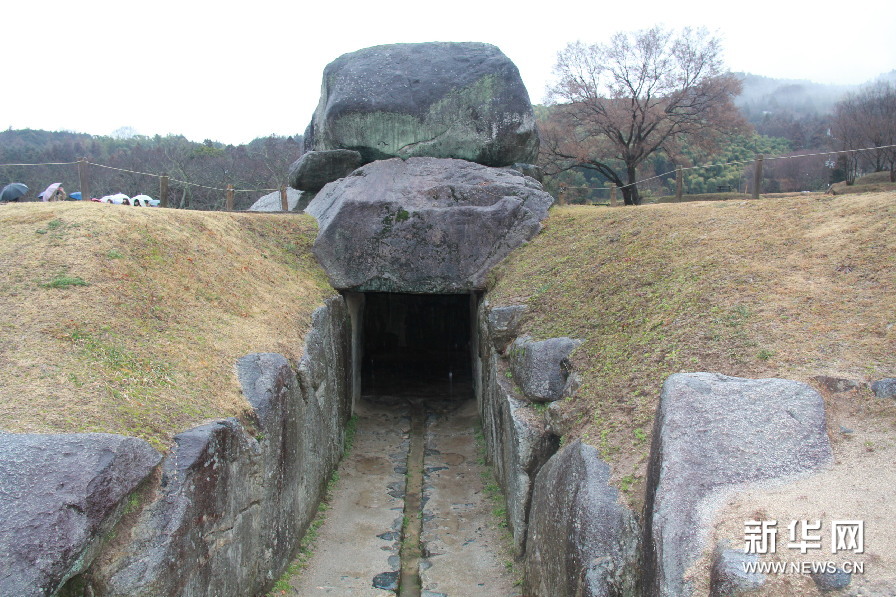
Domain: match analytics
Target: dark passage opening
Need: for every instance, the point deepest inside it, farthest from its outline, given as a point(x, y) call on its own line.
point(417, 345)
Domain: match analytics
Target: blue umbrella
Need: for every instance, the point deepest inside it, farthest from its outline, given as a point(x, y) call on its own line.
point(13, 191)
point(76, 195)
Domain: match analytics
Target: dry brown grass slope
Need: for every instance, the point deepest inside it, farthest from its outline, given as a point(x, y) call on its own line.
point(784, 287)
point(789, 287)
point(127, 320)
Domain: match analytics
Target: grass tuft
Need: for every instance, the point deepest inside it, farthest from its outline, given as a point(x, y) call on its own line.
point(64, 281)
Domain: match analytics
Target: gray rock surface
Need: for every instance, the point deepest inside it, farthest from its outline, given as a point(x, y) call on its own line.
point(529, 170)
point(884, 388)
point(831, 581)
point(295, 200)
point(501, 325)
point(712, 434)
point(504, 325)
point(728, 575)
point(231, 507)
point(519, 443)
point(58, 495)
point(542, 369)
point(447, 100)
point(316, 168)
point(517, 439)
point(581, 541)
point(424, 225)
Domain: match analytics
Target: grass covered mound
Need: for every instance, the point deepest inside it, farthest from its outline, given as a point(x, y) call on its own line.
point(130, 321)
point(784, 287)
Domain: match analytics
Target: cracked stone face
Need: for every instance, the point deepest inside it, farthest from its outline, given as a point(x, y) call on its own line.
point(424, 225)
point(449, 100)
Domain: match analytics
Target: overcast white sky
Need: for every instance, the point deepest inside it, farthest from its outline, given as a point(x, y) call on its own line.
point(207, 70)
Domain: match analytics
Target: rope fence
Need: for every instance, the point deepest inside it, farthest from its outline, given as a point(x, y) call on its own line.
point(758, 161)
point(229, 190)
point(164, 181)
point(183, 182)
point(43, 164)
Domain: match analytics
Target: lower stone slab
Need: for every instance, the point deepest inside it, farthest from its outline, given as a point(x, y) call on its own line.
point(714, 434)
point(581, 540)
point(59, 494)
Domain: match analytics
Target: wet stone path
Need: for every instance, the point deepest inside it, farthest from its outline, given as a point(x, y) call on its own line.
point(368, 544)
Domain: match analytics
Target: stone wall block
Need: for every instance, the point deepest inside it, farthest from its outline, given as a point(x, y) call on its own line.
point(715, 434)
point(59, 495)
point(504, 325)
point(581, 541)
point(315, 169)
point(542, 369)
point(517, 439)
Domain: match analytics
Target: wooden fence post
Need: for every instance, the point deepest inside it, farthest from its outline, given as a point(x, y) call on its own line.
point(284, 202)
point(613, 188)
point(561, 194)
point(82, 179)
point(163, 191)
point(228, 204)
point(679, 183)
point(757, 176)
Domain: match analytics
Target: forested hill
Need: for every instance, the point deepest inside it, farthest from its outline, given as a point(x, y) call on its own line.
point(261, 164)
point(794, 109)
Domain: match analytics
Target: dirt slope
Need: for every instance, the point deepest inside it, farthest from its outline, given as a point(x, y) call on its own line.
point(129, 320)
point(788, 287)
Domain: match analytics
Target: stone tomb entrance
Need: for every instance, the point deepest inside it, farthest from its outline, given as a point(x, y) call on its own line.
point(409, 516)
point(416, 346)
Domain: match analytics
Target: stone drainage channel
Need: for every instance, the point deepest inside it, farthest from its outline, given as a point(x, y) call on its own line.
point(410, 515)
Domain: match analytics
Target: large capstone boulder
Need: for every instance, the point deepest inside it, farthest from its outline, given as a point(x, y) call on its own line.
point(58, 495)
point(582, 542)
point(423, 225)
point(715, 434)
point(448, 100)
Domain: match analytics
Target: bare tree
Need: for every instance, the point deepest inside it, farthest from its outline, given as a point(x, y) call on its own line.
point(846, 130)
point(867, 119)
point(880, 126)
point(615, 104)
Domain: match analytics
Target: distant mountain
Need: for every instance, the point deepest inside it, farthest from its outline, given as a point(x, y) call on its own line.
point(794, 109)
point(31, 138)
point(767, 95)
point(763, 96)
